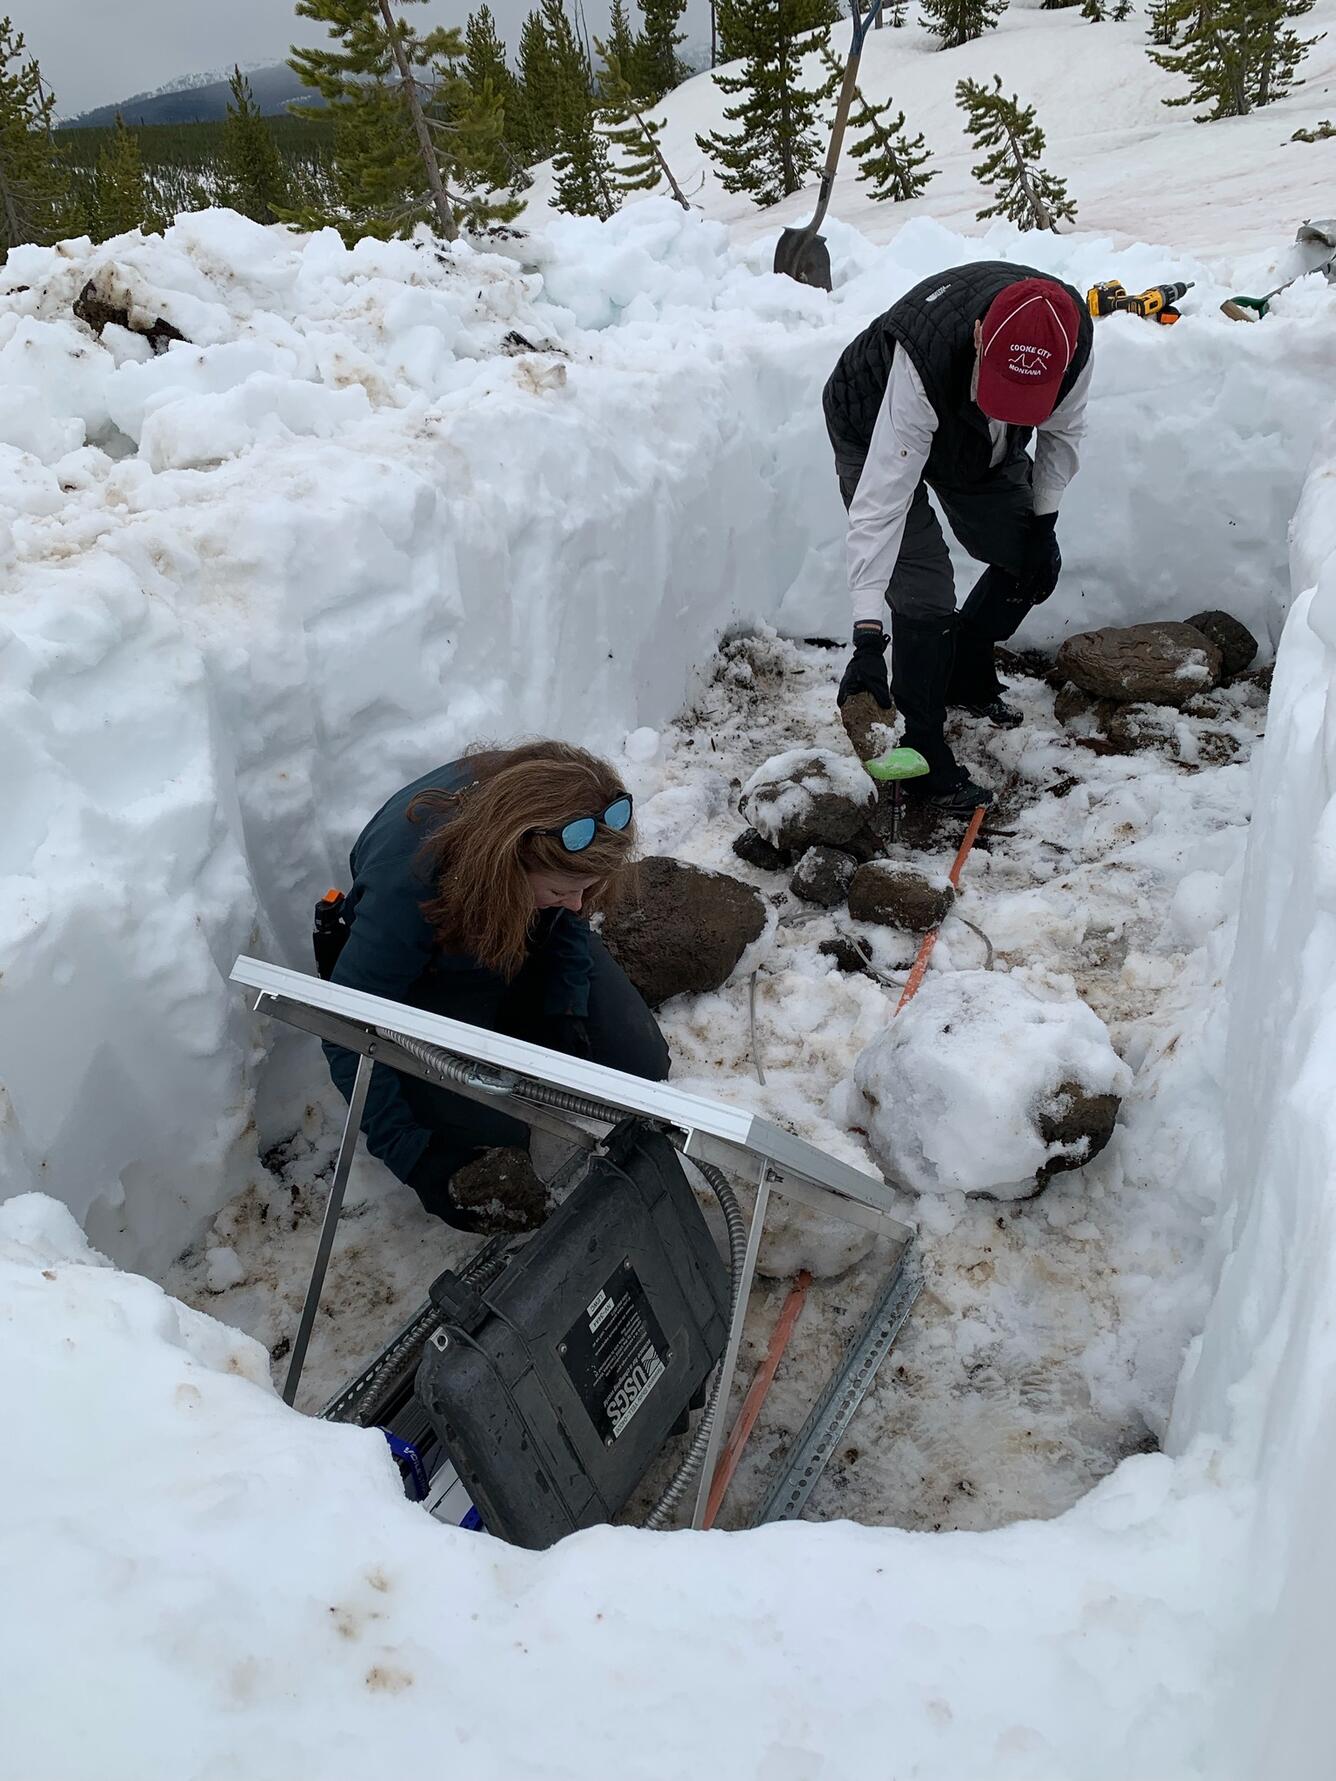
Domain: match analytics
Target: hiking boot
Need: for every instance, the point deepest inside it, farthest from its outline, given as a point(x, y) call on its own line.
point(962, 798)
point(995, 712)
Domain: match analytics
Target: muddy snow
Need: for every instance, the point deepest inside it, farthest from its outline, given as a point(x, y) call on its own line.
point(1046, 1342)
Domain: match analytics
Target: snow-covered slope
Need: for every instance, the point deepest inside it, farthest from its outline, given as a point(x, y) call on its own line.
point(1138, 170)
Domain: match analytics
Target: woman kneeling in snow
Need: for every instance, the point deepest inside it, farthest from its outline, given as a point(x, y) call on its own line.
point(470, 889)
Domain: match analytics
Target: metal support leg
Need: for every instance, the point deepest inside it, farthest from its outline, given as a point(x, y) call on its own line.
point(333, 1206)
point(730, 1362)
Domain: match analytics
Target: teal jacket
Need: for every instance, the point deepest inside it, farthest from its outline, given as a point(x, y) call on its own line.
point(391, 951)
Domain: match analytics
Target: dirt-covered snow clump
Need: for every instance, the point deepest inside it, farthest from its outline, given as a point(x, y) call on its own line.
point(973, 1087)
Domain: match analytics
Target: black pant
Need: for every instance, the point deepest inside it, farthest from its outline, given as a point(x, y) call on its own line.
point(622, 1033)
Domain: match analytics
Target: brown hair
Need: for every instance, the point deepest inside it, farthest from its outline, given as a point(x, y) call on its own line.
point(477, 859)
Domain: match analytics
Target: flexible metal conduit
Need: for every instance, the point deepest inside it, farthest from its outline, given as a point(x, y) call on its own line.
point(453, 1069)
point(677, 1485)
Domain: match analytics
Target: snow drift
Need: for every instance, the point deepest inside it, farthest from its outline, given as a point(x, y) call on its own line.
point(381, 502)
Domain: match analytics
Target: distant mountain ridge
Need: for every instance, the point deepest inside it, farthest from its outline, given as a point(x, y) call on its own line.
point(199, 98)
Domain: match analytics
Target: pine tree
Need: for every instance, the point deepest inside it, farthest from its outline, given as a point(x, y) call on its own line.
point(1094, 10)
point(539, 102)
point(584, 178)
point(487, 72)
point(36, 196)
point(1057, 5)
point(778, 144)
point(630, 127)
point(619, 47)
point(895, 14)
point(583, 183)
point(887, 159)
point(571, 74)
point(1122, 10)
point(412, 142)
point(1013, 142)
point(655, 68)
point(255, 176)
point(1235, 54)
point(960, 21)
point(120, 189)
point(1161, 22)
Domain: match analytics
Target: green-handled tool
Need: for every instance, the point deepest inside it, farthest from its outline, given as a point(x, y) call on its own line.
point(893, 768)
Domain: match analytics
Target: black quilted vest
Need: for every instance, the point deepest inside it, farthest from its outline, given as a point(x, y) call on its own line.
point(934, 324)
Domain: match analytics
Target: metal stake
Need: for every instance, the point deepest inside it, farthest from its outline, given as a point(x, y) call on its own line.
point(333, 1206)
point(730, 1361)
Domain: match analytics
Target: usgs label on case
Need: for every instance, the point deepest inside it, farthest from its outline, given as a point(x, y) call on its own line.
point(615, 1353)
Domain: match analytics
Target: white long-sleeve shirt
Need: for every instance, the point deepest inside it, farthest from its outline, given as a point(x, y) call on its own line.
point(901, 441)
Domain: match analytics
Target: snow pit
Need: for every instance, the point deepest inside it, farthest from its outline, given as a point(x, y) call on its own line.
point(955, 1090)
point(214, 673)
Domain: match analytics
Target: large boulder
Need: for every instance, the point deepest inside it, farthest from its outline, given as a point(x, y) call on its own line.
point(684, 930)
point(1232, 638)
point(981, 1087)
point(1154, 664)
point(807, 797)
point(898, 897)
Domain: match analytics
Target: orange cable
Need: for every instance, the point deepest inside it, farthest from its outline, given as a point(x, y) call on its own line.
point(920, 967)
point(756, 1394)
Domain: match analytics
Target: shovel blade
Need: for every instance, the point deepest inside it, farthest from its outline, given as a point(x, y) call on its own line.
point(804, 256)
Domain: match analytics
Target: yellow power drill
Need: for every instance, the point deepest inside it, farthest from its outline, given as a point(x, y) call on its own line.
point(1156, 304)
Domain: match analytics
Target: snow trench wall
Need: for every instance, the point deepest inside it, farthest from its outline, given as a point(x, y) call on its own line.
point(1262, 1377)
point(385, 502)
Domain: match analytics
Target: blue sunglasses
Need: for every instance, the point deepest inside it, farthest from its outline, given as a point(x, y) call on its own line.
point(576, 834)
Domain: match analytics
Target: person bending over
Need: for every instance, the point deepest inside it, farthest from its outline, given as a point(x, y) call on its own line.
point(470, 895)
point(943, 392)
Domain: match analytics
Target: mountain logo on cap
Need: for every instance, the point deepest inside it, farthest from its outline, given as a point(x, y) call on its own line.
point(1028, 361)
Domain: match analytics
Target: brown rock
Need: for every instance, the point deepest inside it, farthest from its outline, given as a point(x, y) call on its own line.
point(94, 309)
point(685, 930)
point(1154, 664)
point(864, 723)
point(898, 897)
point(501, 1190)
point(757, 851)
point(1073, 1117)
point(1232, 638)
point(846, 956)
point(812, 802)
point(822, 876)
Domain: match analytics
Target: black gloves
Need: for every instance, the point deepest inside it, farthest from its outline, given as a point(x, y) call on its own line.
point(1042, 563)
point(866, 672)
point(430, 1181)
point(568, 1033)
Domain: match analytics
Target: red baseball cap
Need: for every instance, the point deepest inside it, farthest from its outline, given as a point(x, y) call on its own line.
point(1029, 336)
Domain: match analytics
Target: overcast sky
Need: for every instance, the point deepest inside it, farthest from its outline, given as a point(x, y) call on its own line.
point(94, 52)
